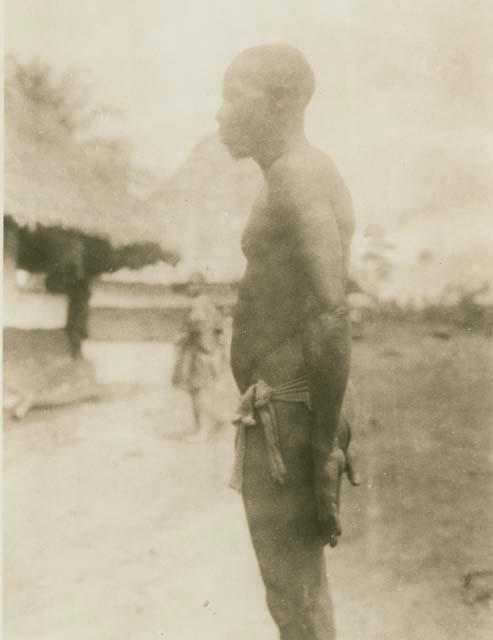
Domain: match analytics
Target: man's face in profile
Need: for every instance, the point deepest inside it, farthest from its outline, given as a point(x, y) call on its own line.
point(246, 114)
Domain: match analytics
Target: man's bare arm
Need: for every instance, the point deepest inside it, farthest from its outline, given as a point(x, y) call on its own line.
point(326, 336)
point(303, 199)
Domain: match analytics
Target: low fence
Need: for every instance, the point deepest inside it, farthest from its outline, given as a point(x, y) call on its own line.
point(135, 325)
point(139, 312)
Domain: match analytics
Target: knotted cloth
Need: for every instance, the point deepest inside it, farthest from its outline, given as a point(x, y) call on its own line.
point(260, 397)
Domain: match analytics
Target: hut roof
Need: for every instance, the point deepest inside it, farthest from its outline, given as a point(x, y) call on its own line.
point(209, 199)
point(66, 184)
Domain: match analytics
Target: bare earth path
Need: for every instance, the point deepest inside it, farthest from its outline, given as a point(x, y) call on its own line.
point(115, 529)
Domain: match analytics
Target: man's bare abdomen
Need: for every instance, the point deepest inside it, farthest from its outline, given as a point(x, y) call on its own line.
point(267, 325)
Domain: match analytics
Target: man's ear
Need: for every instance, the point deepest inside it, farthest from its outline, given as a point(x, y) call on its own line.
point(281, 99)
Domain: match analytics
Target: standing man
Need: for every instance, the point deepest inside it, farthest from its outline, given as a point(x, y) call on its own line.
point(291, 337)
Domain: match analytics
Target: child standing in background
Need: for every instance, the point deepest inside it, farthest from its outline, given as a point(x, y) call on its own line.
point(201, 356)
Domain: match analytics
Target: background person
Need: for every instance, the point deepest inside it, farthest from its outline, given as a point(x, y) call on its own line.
point(200, 358)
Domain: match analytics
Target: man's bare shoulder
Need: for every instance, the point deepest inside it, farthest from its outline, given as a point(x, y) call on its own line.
point(309, 169)
point(305, 178)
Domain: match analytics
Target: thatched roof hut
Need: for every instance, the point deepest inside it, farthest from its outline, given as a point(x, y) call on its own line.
point(69, 215)
point(56, 178)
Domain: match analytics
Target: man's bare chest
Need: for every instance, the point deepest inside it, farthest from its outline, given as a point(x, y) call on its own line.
point(266, 237)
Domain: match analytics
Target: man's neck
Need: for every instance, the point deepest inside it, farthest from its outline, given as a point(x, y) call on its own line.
point(288, 140)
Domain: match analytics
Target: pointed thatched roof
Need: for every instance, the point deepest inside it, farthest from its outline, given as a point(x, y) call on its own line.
point(209, 199)
point(69, 185)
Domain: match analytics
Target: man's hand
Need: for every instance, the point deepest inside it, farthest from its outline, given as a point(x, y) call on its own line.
point(328, 479)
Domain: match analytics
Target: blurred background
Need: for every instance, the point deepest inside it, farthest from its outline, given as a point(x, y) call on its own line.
point(117, 191)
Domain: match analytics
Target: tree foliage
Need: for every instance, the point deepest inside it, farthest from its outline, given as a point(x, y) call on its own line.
point(47, 105)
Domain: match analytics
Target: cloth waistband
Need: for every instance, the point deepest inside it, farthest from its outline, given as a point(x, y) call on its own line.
point(260, 396)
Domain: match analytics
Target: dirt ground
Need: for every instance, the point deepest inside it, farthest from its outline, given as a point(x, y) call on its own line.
point(116, 529)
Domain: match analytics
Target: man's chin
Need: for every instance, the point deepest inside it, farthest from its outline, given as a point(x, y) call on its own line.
point(237, 152)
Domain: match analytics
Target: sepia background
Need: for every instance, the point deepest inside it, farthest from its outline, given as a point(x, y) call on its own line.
point(117, 190)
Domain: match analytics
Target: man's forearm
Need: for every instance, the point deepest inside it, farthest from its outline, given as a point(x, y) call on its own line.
point(327, 353)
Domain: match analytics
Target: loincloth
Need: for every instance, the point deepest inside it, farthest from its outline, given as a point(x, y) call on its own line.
point(256, 409)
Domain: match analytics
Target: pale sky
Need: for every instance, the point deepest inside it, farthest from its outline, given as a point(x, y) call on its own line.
point(403, 97)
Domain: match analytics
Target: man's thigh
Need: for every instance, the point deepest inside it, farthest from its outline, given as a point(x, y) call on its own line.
point(287, 511)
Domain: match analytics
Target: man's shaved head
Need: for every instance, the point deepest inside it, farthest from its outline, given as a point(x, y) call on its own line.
point(279, 70)
point(265, 92)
